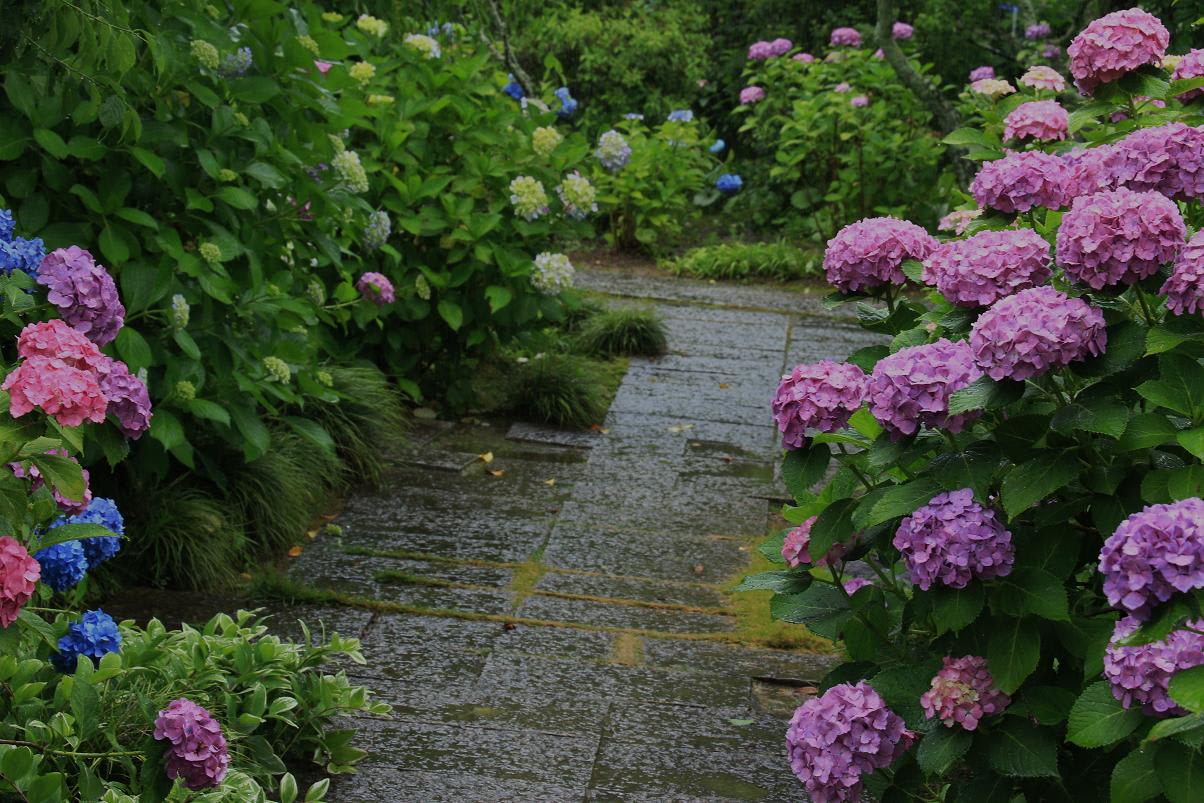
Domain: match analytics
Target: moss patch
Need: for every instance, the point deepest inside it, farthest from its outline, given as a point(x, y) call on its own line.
point(752, 614)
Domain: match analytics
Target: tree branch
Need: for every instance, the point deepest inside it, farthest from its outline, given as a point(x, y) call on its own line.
point(507, 55)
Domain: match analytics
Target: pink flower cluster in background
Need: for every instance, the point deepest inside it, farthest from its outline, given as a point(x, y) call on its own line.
point(1118, 237)
point(1021, 181)
point(19, 574)
point(1116, 44)
point(759, 51)
point(794, 548)
point(980, 270)
point(870, 253)
point(846, 37)
point(1190, 66)
point(963, 693)
point(981, 74)
point(1043, 120)
point(819, 396)
point(901, 30)
point(1027, 334)
point(751, 94)
point(1042, 77)
point(1184, 288)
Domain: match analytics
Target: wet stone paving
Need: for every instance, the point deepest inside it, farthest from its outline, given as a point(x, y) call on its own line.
point(552, 624)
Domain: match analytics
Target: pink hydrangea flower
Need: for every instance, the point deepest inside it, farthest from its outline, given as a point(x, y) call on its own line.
point(855, 584)
point(1043, 120)
point(1141, 675)
point(84, 293)
point(1037, 31)
point(1037, 329)
point(911, 388)
point(1118, 237)
point(1153, 554)
point(841, 735)
point(759, 51)
point(859, 101)
point(128, 399)
point(197, 751)
point(952, 540)
point(794, 547)
point(1042, 77)
point(847, 37)
point(981, 73)
point(1116, 44)
point(68, 394)
point(982, 269)
point(1090, 169)
point(820, 396)
point(958, 220)
point(806, 58)
point(843, 87)
point(993, 87)
point(54, 339)
point(963, 693)
point(879, 54)
point(780, 47)
point(1168, 159)
point(1051, 52)
point(1020, 181)
point(870, 253)
point(323, 66)
point(1184, 288)
point(376, 288)
point(19, 575)
point(751, 94)
point(901, 30)
point(1190, 66)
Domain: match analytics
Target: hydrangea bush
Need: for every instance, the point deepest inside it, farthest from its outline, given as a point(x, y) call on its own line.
point(1014, 476)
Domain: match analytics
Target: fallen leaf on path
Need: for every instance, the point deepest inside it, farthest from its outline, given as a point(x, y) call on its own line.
point(550, 482)
point(724, 385)
point(680, 427)
point(294, 552)
point(699, 568)
point(424, 412)
point(486, 457)
point(496, 472)
point(740, 721)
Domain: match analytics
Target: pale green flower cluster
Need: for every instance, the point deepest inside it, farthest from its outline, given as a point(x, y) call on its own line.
point(372, 26)
point(205, 54)
point(362, 71)
point(529, 197)
point(278, 370)
point(211, 253)
point(310, 44)
point(347, 167)
point(545, 139)
point(553, 273)
point(185, 390)
point(422, 287)
point(424, 44)
point(578, 196)
point(180, 311)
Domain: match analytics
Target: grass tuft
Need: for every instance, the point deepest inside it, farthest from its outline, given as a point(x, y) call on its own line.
point(559, 389)
point(626, 331)
point(365, 423)
point(778, 261)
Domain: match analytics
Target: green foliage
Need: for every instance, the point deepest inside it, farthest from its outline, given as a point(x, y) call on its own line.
point(558, 389)
point(365, 423)
point(624, 331)
point(739, 260)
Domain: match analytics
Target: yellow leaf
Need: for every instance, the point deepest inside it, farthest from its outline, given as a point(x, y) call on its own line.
point(724, 385)
point(550, 482)
point(294, 552)
point(496, 472)
point(486, 458)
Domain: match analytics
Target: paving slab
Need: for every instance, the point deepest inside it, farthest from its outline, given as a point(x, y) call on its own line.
point(610, 614)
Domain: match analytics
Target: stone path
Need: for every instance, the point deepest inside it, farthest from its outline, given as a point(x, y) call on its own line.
point(551, 626)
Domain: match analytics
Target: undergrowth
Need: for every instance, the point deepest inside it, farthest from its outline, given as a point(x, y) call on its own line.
point(624, 331)
point(779, 261)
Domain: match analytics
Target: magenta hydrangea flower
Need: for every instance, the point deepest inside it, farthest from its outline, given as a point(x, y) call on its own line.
point(198, 751)
point(1184, 288)
point(963, 692)
point(1043, 120)
point(1020, 181)
point(1118, 237)
point(981, 73)
point(780, 47)
point(84, 292)
point(855, 584)
point(952, 540)
point(1042, 77)
point(1037, 31)
point(19, 575)
point(847, 37)
point(1153, 554)
point(797, 541)
point(72, 507)
point(69, 395)
point(751, 94)
point(820, 396)
point(1168, 159)
point(1190, 66)
point(56, 340)
point(1037, 329)
point(128, 399)
point(376, 288)
point(806, 58)
point(901, 30)
point(980, 270)
point(1141, 675)
point(1116, 44)
point(1090, 169)
point(759, 51)
point(859, 101)
point(870, 253)
point(837, 737)
point(911, 388)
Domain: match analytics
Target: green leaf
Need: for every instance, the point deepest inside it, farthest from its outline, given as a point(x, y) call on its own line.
point(971, 467)
point(780, 582)
point(1187, 689)
point(266, 175)
point(804, 467)
point(151, 161)
point(51, 142)
point(1018, 750)
point(237, 197)
point(985, 393)
point(833, 526)
point(451, 313)
point(186, 344)
point(1013, 650)
point(1102, 416)
point(167, 429)
point(85, 707)
point(1145, 431)
point(1098, 719)
point(955, 608)
point(897, 500)
point(1181, 772)
point(113, 246)
point(73, 532)
point(1049, 705)
point(133, 348)
point(1134, 778)
point(941, 748)
point(312, 431)
point(211, 411)
point(137, 217)
point(1029, 483)
point(1180, 387)
point(250, 425)
point(821, 607)
point(1126, 342)
point(1031, 591)
point(1173, 727)
point(255, 89)
point(498, 297)
point(966, 136)
point(64, 474)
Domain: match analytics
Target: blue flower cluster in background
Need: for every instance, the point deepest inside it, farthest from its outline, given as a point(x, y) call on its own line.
point(105, 513)
point(729, 183)
point(238, 62)
point(718, 146)
point(567, 104)
point(93, 636)
point(681, 116)
point(63, 565)
point(514, 89)
point(17, 253)
point(447, 29)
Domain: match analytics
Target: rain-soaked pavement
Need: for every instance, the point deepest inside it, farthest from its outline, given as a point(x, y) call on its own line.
point(556, 627)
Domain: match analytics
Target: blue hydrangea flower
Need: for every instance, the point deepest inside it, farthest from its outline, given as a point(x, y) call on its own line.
point(718, 146)
point(21, 254)
point(633, 116)
point(93, 636)
point(6, 225)
point(681, 116)
point(567, 104)
point(63, 565)
point(105, 513)
point(729, 183)
point(514, 89)
point(238, 62)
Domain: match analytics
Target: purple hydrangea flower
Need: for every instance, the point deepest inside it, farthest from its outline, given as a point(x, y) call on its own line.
point(63, 565)
point(981, 73)
point(1037, 329)
point(1168, 159)
point(1051, 52)
point(1118, 237)
point(855, 584)
point(129, 401)
point(901, 30)
point(376, 288)
point(870, 253)
point(1037, 31)
point(1141, 675)
point(751, 94)
point(36, 480)
point(841, 735)
point(1153, 554)
point(820, 396)
point(7, 224)
point(84, 292)
point(1184, 288)
point(1116, 44)
point(963, 692)
point(1190, 66)
point(238, 63)
point(911, 388)
point(1090, 169)
point(93, 636)
point(952, 540)
point(1043, 120)
point(1020, 181)
point(796, 543)
point(848, 37)
point(859, 101)
point(780, 46)
point(759, 51)
point(198, 751)
point(980, 270)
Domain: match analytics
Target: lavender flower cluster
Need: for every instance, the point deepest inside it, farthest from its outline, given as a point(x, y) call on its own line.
point(953, 540)
point(1140, 675)
point(1118, 237)
point(1116, 44)
point(980, 270)
point(1153, 554)
point(911, 388)
point(820, 396)
point(1026, 334)
point(870, 253)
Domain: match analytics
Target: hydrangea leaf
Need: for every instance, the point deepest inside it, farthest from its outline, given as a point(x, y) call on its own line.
point(1031, 591)
point(802, 468)
point(1018, 750)
point(1187, 689)
point(1181, 772)
point(955, 608)
point(1013, 651)
point(1098, 719)
point(941, 748)
point(780, 582)
point(1134, 778)
point(1030, 482)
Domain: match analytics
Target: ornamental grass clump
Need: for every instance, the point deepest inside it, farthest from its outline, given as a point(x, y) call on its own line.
point(626, 331)
point(560, 389)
